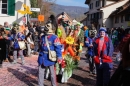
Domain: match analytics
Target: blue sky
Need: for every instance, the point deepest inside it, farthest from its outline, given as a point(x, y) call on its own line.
point(72, 3)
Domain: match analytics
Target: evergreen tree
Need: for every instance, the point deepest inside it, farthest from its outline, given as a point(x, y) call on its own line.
point(34, 4)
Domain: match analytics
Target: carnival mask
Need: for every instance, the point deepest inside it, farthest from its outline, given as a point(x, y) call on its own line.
point(92, 33)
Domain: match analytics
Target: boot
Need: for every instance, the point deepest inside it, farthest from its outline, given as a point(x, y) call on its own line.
point(23, 62)
point(6, 60)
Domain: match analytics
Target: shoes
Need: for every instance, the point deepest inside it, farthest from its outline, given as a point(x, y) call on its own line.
point(23, 62)
point(6, 60)
point(14, 62)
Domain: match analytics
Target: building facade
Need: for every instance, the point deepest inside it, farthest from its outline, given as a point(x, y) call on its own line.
point(100, 11)
point(8, 10)
point(121, 17)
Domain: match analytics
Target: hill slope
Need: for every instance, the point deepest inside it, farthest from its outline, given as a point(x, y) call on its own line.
point(73, 11)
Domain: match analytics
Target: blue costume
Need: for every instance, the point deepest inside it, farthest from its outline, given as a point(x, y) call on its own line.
point(90, 54)
point(87, 44)
point(15, 37)
point(54, 45)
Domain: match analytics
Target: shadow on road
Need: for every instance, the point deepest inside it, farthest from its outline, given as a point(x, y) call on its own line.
point(84, 81)
point(33, 71)
point(23, 77)
point(79, 68)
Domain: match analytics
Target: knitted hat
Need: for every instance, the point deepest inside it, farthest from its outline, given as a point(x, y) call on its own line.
point(102, 29)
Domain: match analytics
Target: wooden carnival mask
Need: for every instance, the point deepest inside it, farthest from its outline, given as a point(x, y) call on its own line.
point(92, 33)
point(51, 25)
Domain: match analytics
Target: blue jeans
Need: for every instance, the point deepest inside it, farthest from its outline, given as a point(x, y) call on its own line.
point(36, 48)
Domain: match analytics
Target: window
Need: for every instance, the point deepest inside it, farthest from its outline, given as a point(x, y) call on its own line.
point(3, 6)
point(97, 3)
point(103, 3)
point(7, 7)
point(127, 17)
point(122, 19)
point(116, 19)
point(92, 6)
point(88, 17)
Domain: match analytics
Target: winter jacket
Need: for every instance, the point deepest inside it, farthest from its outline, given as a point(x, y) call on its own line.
point(55, 45)
point(89, 41)
point(106, 53)
point(15, 37)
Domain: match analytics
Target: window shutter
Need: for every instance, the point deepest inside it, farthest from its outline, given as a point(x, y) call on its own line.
point(11, 7)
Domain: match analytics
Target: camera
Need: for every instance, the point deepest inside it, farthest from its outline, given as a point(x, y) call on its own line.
point(43, 29)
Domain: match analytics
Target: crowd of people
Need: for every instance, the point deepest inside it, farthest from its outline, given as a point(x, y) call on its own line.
point(67, 42)
point(11, 36)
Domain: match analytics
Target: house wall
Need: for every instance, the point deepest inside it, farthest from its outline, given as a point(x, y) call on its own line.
point(94, 7)
point(94, 10)
point(108, 10)
point(124, 23)
point(18, 17)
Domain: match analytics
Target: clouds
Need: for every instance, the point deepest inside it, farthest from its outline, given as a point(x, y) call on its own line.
point(71, 2)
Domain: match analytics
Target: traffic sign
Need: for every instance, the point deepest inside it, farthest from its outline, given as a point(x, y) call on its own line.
point(40, 17)
point(35, 9)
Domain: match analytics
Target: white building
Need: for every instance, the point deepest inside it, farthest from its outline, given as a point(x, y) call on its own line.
point(100, 11)
point(8, 10)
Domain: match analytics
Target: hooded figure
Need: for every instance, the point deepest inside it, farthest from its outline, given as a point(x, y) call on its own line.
point(49, 40)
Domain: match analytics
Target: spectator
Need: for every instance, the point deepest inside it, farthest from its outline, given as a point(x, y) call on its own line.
point(2, 46)
point(36, 43)
point(29, 43)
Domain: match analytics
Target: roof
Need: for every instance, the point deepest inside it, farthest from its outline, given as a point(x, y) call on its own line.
point(111, 4)
point(86, 12)
point(66, 15)
point(88, 1)
point(123, 9)
point(83, 20)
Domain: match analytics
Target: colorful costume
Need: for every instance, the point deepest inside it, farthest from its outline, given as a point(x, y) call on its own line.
point(16, 47)
point(43, 58)
point(90, 51)
point(103, 59)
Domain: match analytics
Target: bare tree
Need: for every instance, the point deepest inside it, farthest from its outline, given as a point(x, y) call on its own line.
point(45, 6)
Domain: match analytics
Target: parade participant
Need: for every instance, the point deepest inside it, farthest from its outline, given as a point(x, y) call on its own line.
point(79, 39)
point(122, 74)
point(103, 50)
point(2, 45)
point(90, 51)
point(18, 38)
point(49, 42)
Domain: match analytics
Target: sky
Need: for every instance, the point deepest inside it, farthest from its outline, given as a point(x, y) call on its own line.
point(72, 3)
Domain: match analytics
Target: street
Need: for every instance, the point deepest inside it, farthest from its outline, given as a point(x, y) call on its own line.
point(26, 75)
